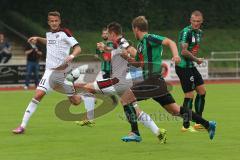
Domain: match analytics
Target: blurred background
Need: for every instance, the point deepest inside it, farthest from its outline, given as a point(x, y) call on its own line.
point(21, 19)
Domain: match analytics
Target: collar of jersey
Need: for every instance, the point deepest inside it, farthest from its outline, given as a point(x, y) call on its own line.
point(144, 36)
point(60, 29)
point(194, 30)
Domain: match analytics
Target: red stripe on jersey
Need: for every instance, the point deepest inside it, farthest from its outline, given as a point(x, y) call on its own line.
point(107, 83)
point(67, 32)
point(141, 59)
point(107, 56)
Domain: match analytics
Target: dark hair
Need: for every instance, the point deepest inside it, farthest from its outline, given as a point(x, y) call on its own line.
point(115, 27)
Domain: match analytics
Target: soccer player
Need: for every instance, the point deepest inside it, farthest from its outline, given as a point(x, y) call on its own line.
point(89, 99)
point(59, 41)
point(149, 52)
point(121, 86)
point(105, 56)
point(191, 80)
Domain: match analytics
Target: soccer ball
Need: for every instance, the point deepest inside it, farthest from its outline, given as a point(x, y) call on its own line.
point(73, 75)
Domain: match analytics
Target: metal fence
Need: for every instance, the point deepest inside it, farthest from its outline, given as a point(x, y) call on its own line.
point(224, 65)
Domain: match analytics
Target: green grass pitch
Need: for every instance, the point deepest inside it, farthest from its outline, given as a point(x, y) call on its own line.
point(49, 138)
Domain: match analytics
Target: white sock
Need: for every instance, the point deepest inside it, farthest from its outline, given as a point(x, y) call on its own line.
point(147, 121)
point(89, 103)
point(32, 106)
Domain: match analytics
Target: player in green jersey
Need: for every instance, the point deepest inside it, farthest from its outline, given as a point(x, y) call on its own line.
point(149, 57)
point(105, 56)
point(191, 80)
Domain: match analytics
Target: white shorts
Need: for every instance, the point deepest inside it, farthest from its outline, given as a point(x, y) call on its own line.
point(55, 80)
point(112, 86)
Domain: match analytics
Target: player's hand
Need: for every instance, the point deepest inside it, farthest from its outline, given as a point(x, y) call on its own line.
point(200, 60)
point(101, 46)
point(176, 59)
point(32, 39)
point(69, 58)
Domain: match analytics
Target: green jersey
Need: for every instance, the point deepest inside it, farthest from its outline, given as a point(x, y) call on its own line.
point(192, 38)
point(105, 65)
point(149, 51)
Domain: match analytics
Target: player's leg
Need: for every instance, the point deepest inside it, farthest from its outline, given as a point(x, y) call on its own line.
point(41, 90)
point(201, 92)
point(31, 108)
point(187, 114)
point(128, 98)
point(200, 97)
point(186, 77)
point(75, 99)
point(142, 117)
point(104, 86)
point(89, 104)
point(148, 122)
point(188, 103)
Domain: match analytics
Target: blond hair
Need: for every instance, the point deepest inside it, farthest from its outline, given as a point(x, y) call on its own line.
point(54, 13)
point(141, 23)
point(197, 13)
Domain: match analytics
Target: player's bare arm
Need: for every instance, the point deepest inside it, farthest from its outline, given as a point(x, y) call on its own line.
point(76, 51)
point(102, 47)
point(172, 45)
point(129, 55)
point(188, 54)
point(38, 39)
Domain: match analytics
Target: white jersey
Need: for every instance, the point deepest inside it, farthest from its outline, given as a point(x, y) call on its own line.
point(119, 64)
point(58, 47)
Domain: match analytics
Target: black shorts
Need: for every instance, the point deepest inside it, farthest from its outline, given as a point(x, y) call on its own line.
point(190, 78)
point(155, 88)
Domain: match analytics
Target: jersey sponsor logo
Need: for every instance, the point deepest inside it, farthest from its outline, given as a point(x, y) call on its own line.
point(140, 49)
point(52, 41)
point(193, 39)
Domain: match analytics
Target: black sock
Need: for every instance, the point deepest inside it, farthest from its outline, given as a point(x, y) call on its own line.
point(189, 115)
point(199, 104)
point(132, 118)
point(188, 102)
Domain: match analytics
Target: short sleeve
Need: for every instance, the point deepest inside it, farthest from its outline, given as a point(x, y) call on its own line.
point(184, 36)
point(155, 40)
point(69, 38)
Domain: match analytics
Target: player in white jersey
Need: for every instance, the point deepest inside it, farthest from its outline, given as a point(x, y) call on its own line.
point(119, 85)
point(59, 42)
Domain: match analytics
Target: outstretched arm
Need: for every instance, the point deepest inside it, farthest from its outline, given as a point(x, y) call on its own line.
point(129, 54)
point(37, 39)
point(173, 47)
